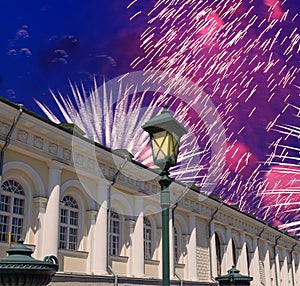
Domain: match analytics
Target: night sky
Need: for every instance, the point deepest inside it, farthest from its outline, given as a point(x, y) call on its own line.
point(244, 54)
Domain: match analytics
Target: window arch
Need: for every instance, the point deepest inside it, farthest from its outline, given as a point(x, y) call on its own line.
point(114, 248)
point(68, 237)
point(12, 204)
point(218, 254)
point(147, 238)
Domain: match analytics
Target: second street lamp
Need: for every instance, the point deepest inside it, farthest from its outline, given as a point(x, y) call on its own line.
point(165, 133)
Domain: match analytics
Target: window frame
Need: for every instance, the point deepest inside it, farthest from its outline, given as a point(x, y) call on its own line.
point(176, 243)
point(69, 211)
point(15, 211)
point(115, 233)
point(148, 241)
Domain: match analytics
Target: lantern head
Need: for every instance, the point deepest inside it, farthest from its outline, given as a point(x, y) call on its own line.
point(165, 133)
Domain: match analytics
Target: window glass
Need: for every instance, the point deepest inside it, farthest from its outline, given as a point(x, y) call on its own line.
point(68, 237)
point(147, 238)
point(12, 204)
point(114, 233)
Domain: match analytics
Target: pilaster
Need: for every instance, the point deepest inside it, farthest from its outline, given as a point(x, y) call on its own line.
point(130, 223)
point(293, 268)
point(91, 216)
point(192, 250)
point(51, 231)
point(138, 261)
point(99, 234)
point(228, 257)
point(40, 204)
point(277, 265)
point(213, 251)
point(267, 264)
point(254, 264)
point(284, 269)
point(242, 262)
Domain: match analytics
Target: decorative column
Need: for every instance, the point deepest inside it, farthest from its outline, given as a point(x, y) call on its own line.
point(254, 265)
point(213, 252)
point(242, 262)
point(51, 231)
point(267, 263)
point(228, 252)
point(40, 209)
point(284, 268)
point(98, 233)
point(130, 226)
point(91, 215)
point(297, 268)
point(277, 264)
point(192, 250)
point(138, 261)
point(293, 268)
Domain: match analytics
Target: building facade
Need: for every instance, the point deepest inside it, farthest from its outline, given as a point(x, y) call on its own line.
point(99, 213)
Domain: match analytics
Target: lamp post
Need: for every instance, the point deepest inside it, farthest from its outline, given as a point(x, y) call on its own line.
point(165, 133)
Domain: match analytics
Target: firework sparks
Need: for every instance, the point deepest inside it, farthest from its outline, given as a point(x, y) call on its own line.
point(281, 194)
point(112, 115)
point(241, 55)
point(245, 59)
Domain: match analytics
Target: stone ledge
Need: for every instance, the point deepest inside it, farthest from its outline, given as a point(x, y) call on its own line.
point(61, 279)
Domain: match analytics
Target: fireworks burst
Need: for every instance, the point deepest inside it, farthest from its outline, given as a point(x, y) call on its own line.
point(280, 197)
point(113, 114)
point(246, 56)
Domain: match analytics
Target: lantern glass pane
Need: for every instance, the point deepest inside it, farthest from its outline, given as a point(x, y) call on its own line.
point(165, 148)
point(160, 146)
point(174, 145)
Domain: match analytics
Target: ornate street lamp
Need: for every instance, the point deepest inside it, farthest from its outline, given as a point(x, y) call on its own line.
point(165, 133)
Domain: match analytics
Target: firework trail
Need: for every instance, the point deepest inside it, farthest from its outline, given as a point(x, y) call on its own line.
point(246, 56)
point(281, 193)
point(243, 55)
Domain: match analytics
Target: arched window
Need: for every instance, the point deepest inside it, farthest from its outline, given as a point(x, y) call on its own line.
point(147, 238)
point(12, 203)
point(234, 254)
point(114, 233)
point(68, 237)
point(176, 245)
point(218, 254)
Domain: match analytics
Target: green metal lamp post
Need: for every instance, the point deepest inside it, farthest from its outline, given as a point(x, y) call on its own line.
point(165, 133)
point(19, 268)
